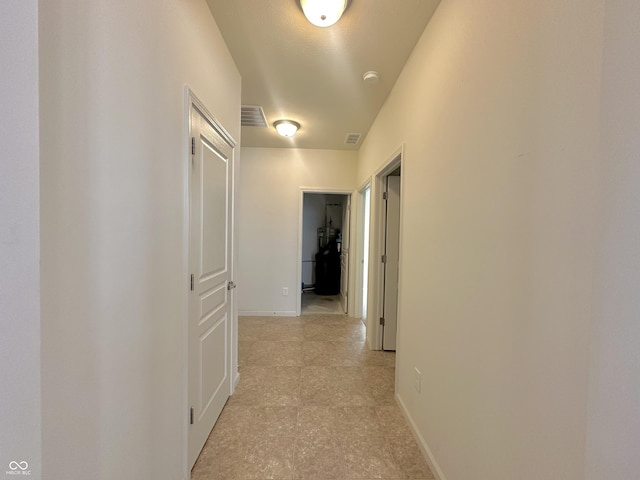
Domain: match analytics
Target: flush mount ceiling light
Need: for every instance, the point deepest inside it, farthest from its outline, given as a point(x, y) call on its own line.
point(323, 13)
point(286, 128)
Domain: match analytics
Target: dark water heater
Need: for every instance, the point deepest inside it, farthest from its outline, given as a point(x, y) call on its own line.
point(328, 270)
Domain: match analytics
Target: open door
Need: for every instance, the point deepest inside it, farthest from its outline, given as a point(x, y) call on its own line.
point(344, 254)
point(209, 330)
point(391, 260)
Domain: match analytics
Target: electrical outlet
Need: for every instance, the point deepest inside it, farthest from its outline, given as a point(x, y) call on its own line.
point(417, 379)
point(285, 292)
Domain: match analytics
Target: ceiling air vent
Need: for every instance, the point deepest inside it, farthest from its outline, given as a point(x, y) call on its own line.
point(252, 116)
point(352, 138)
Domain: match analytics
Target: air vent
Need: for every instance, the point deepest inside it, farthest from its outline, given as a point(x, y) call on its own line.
point(352, 138)
point(252, 116)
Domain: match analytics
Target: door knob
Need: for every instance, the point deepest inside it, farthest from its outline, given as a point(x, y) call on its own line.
point(231, 285)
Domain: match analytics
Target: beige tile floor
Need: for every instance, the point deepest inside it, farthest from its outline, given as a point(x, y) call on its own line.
point(313, 403)
point(313, 304)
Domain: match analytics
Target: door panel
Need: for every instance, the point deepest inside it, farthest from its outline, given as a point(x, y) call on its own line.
point(214, 178)
point(209, 260)
point(212, 354)
point(213, 300)
point(392, 253)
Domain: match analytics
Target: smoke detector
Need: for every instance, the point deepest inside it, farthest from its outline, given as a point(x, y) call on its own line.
point(371, 77)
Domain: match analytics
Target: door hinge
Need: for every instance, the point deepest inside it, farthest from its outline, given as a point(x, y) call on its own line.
point(192, 282)
point(385, 196)
point(191, 416)
point(193, 145)
point(382, 321)
point(384, 259)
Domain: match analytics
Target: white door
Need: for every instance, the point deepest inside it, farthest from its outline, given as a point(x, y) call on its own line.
point(344, 254)
point(392, 257)
point(210, 264)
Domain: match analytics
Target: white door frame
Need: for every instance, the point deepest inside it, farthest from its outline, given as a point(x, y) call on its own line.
point(191, 99)
point(358, 252)
point(376, 270)
point(328, 191)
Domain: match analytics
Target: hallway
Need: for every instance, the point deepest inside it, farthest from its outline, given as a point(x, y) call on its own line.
point(312, 403)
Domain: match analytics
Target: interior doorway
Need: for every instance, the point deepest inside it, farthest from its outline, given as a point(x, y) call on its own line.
point(362, 237)
point(324, 252)
point(384, 287)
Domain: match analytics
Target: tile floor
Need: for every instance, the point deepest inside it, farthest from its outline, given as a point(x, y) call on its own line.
point(313, 403)
point(313, 304)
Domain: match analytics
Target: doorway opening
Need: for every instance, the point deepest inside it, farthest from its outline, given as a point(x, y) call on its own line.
point(362, 260)
point(324, 253)
point(384, 287)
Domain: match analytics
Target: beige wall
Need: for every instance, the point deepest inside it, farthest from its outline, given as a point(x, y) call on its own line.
point(614, 388)
point(113, 147)
point(269, 220)
point(497, 109)
point(19, 237)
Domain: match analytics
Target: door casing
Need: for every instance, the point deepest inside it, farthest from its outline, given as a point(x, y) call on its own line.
point(361, 251)
point(376, 270)
point(304, 190)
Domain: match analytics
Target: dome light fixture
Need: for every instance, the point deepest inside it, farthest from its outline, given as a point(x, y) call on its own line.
point(286, 128)
point(323, 13)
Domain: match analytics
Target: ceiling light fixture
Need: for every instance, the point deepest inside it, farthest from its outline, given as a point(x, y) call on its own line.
point(286, 128)
point(323, 13)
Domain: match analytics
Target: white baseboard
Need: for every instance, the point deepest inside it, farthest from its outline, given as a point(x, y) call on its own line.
point(236, 379)
point(265, 313)
point(431, 460)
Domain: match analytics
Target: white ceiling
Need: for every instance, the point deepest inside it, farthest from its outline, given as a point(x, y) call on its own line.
point(313, 75)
